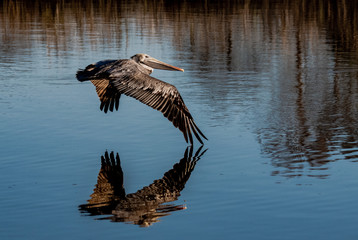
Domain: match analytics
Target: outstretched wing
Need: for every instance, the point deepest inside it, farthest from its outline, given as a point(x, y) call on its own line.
point(108, 95)
point(135, 82)
point(96, 73)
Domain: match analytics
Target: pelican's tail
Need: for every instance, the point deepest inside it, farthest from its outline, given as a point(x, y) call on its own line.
point(89, 73)
point(93, 71)
point(81, 75)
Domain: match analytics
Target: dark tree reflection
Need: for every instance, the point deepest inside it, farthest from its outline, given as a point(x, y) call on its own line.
point(145, 206)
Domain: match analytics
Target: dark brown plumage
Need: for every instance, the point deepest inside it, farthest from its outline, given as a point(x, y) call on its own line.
point(131, 77)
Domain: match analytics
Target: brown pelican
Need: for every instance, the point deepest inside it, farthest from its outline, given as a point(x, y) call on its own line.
point(131, 77)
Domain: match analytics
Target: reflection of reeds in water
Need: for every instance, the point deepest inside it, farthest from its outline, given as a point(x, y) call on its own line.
point(61, 25)
point(208, 24)
point(318, 128)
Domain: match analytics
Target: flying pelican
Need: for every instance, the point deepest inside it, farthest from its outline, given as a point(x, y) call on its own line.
point(131, 77)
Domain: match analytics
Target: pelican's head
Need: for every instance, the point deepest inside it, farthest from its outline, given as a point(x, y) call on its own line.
point(149, 63)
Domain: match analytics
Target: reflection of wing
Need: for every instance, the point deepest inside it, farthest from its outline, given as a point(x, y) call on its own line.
point(146, 205)
point(173, 182)
point(109, 187)
point(110, 176)
point(108, 95)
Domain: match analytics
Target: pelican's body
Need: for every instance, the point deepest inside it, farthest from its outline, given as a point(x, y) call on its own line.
point(132, 78)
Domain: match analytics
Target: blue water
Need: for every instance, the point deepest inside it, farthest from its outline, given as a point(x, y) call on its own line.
point(278, 102)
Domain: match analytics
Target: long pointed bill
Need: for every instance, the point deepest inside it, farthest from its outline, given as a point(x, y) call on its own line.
point(155, 63)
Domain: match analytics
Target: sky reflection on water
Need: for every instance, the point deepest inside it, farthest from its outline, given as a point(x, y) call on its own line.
point(273, 85)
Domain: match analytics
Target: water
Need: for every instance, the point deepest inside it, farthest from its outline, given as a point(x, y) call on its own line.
point(273, 85)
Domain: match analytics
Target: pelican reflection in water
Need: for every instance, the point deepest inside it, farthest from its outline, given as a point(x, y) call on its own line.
point(145, 206)
point(132, 78)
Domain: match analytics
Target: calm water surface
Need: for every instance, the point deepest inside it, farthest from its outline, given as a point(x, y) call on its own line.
point(273, 85)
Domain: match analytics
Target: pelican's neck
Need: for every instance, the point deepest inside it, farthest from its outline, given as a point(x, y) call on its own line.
point(148, 69)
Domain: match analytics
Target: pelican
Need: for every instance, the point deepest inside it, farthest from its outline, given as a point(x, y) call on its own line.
point(131, 77)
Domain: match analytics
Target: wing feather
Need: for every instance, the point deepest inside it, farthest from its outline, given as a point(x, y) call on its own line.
point(188, 129)
point(107, 94)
